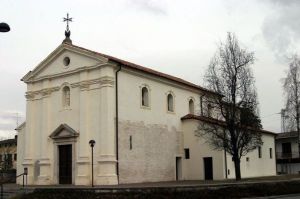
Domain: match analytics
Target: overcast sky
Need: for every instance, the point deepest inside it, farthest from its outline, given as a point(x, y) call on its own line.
point(172, 36)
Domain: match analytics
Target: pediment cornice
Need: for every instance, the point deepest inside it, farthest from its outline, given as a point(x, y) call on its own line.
point(31, 75)
point(63, 131)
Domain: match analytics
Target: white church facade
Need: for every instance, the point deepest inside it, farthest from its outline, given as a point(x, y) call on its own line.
point(143, 123)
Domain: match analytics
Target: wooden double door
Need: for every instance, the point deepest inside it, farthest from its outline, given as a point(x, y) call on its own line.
point(65, 164)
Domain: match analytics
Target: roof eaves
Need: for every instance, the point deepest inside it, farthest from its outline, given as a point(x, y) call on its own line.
point(148, 70)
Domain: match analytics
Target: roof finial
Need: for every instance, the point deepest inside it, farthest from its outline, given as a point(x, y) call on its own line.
point(67, 31)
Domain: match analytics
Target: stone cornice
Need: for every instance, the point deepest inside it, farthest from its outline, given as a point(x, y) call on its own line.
point(105, 81)
point(66, 73)
point(30, 95)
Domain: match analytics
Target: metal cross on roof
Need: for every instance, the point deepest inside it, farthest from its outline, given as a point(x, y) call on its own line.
point(67, 20)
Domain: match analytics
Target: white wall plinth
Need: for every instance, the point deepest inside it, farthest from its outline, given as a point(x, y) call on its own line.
point(106, 180)
point(43, 180)
point(83, 172)
point(44, 177)
point(83, 180)
point(106, 170)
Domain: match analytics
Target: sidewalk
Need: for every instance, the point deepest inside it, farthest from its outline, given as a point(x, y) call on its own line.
point(189, 183)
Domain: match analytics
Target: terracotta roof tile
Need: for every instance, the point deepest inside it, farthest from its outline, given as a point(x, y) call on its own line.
point(217, 122)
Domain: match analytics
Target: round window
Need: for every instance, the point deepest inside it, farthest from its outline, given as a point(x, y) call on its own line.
point(67, 61)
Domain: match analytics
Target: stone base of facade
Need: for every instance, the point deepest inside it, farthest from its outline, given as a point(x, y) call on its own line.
point(106, 180)
point(43, 180)
point(83, 180)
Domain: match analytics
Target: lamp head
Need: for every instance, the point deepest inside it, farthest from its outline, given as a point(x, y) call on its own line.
point(4, 27)
point(92, 143)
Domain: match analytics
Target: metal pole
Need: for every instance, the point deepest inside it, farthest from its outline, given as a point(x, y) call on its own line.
point(23, 180)
point(92, 166)
point(92, 144)
point(1, 191)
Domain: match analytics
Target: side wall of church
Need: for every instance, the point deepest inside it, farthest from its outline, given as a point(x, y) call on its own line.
point(150, 138)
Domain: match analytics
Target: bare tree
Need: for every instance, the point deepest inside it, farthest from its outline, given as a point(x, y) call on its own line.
point(291, 87)
point(237, 129)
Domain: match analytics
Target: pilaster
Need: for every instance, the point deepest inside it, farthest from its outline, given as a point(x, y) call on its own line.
point(82, 177)
point(44, 161)
point(106, 153)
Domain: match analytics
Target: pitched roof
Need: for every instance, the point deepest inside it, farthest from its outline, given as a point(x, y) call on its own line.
point(218, 122)
point(9, 141)
point(146, 70)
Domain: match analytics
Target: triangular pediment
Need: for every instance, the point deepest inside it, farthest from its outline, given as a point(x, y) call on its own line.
point(54, 65)
point(63, 131)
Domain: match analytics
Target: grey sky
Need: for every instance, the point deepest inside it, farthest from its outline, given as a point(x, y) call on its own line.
point(173, 36)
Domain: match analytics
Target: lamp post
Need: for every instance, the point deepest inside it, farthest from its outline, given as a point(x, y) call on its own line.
point(92, 144)
point(4, 27)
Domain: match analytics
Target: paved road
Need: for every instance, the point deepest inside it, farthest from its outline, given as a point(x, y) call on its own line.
point(291, 196)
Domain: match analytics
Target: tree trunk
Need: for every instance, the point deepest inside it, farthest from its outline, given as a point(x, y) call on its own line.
point(237, 166)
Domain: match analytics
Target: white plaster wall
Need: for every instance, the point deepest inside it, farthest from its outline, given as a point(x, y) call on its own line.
point(193, 168)
point(156, 133)
point(56, 66)
point(20, 153)
point(255, 167)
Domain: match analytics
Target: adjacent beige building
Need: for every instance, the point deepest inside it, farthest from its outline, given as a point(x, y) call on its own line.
point(8, 154)
point(143, 122)
point(287, 153)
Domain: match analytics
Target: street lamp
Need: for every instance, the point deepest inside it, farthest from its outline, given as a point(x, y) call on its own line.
point(92, 144)
point(4, 27)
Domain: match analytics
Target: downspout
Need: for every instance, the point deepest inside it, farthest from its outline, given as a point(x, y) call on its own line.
point(226, 174)
point(201, 104)
point(117, 123)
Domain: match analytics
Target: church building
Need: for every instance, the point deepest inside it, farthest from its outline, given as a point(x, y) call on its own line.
point(143, 123)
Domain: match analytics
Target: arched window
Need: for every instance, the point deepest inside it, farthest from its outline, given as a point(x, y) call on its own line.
point(170, 102)
point(191, 106)
point(66, 96)
point(145, 97)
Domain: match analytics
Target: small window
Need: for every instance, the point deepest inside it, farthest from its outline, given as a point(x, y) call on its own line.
point(191, 106)
point(15, 157)
point(145, 97)
point(130, 142)
point(66, 96)
point(187, 153)
point(271, 153)
point(67, 61)
point(247, 159)
point(170, 102)
point(259, 152)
